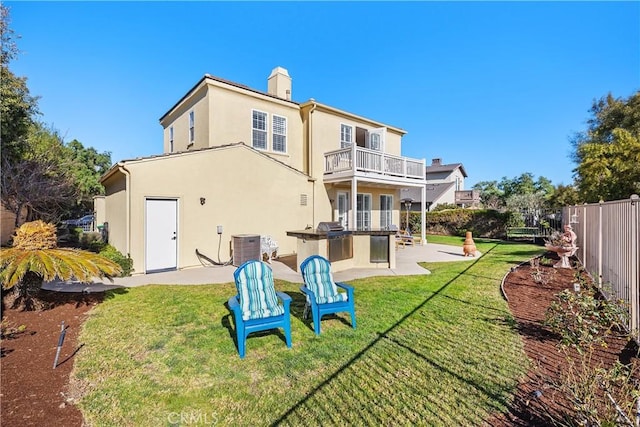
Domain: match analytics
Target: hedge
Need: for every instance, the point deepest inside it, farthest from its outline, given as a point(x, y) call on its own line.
point(455, 222)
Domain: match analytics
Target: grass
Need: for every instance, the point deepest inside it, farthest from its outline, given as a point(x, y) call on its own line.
point(438, 349)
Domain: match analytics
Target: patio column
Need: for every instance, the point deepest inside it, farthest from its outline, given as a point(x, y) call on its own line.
point(354, 203)
point(423, 215)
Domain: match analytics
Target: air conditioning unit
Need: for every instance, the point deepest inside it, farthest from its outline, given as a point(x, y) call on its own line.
point(246, 247)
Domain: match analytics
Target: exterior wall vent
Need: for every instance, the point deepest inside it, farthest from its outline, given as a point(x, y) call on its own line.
point(303, 200)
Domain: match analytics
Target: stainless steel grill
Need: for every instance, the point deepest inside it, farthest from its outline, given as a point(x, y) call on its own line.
point(339, 240)
point(330, 226)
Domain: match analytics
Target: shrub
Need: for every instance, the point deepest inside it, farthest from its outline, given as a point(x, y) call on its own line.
point(125, 262)
point(35, 258)
point(584, 318)
point(92, 241)
point(600, 396)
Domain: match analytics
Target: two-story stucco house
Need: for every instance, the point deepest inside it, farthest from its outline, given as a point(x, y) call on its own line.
point(242, 161)
point(445, 185)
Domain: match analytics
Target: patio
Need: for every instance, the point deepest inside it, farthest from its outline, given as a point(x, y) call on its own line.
point(406, 265)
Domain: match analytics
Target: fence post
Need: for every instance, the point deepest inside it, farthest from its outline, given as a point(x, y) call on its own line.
point(635, 282)
point(600, 245)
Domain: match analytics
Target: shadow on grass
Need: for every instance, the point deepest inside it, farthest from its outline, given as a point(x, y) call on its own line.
point(229, 325)
point(381, 336)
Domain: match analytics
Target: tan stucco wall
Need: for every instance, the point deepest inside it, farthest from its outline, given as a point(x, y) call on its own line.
point(99, 210)
point(231, 121)
point(375, 192)
point(246, 192)
point(179, 119)
point(116, 211)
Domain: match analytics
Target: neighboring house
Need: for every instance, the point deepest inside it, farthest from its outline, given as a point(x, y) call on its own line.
point(445, 185)
point(255, 163)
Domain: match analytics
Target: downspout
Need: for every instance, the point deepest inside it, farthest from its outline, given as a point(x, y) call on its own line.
point(310, 138)
point(310, 160)
point(127, 175)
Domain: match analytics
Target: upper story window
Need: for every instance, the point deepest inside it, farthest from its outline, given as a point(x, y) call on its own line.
point(259, 130)
point(279, 138)
point(192, 129)
point(346, 133)
point(171, 139)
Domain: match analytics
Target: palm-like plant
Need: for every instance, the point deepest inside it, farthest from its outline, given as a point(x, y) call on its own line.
point(35, 257)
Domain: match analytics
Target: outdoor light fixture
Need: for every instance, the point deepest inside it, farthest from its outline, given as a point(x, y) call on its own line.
point(407, 204)
point(202, 200)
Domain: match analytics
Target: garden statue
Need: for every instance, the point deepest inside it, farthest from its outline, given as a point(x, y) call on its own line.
point(564, 245)
point(469, 246)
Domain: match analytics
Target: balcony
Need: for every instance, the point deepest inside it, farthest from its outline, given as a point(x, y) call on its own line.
point(339, 165)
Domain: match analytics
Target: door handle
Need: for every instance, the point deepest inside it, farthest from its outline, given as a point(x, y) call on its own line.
point(174, 236)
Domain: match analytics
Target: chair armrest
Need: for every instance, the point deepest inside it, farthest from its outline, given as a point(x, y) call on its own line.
point(286, 300)
point(234, 305)
point(347, 288)
point(307, 292)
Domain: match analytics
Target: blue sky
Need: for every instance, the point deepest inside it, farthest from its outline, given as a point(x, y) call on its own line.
point(498, 86)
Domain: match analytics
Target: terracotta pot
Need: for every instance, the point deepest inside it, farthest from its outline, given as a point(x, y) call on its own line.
point(469, 246)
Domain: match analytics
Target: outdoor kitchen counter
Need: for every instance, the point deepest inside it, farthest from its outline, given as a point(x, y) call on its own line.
point(357, 249)
point(318, 234)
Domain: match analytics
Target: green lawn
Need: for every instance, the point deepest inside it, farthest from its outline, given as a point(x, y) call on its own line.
point(438, 349)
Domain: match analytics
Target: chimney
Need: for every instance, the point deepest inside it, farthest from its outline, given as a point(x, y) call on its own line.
point(279, 83)
point(436, 162)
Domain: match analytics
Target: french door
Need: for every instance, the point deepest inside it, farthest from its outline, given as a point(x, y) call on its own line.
point(363, 218)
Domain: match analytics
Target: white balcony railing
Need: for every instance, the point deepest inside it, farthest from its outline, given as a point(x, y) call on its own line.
point(372, 161)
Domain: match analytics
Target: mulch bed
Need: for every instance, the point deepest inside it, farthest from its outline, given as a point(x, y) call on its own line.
point(35, 394)
point(537, 402)
point(31, 391)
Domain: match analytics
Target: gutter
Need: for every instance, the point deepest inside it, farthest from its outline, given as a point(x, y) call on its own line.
point(127, 175)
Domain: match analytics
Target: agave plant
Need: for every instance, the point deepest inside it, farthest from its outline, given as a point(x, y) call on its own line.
point(35, 258)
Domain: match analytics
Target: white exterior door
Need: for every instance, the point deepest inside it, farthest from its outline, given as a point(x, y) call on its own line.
point(386, 210)
point(376, 139)
point(161, 235)
point(343, 209)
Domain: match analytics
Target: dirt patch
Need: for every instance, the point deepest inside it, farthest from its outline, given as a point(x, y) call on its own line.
point(31, 391)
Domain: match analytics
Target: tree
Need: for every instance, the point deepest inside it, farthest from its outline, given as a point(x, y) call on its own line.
point(87, 166)
point(39, 184)
point(522, 190)
point(490, 194)
point(564, 195)
point(42, 178)
point(17, 106)
point(608, 152)
point(34, 258)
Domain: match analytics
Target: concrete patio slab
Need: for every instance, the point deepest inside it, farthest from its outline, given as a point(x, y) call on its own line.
point(407, 260)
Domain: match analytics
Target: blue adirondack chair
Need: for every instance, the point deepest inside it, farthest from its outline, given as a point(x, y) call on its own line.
point(322, 292)
point(256, 307)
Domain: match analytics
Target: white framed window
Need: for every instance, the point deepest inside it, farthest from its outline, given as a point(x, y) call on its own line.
point(171, 139)
point(386, 208)
point(279, 134)
point(346, 136)
point(192, 127)
point(259, 129)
